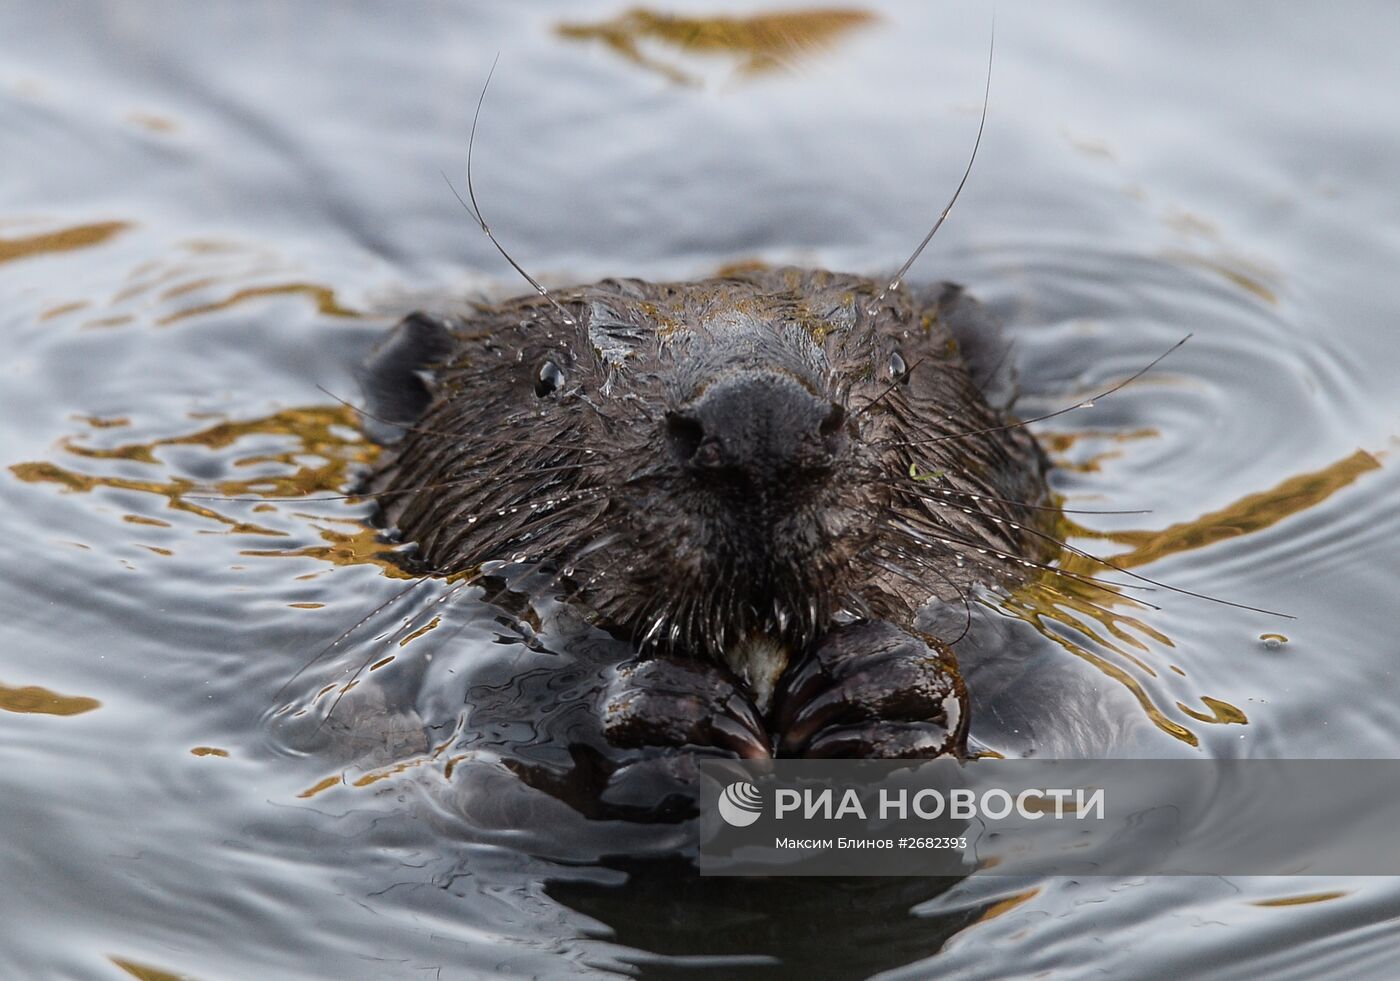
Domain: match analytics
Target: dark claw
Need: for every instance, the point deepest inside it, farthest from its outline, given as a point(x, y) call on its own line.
point(664, 702)
point(871, 690)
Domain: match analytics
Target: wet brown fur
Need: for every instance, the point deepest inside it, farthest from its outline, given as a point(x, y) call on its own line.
point(498, 469)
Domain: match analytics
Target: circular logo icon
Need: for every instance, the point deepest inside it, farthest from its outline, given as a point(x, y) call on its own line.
point(741, 804)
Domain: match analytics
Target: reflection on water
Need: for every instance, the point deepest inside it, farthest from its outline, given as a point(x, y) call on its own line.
point(1251, 513)
point(319, 447)
point(145, 972)
point(324, 298)
point(205, 204)
point(63, 240)
point(1087, 605)
point(32, 698)
point(757, 43)
point(1314, 897)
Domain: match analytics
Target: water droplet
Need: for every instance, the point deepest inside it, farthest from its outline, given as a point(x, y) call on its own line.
point(1273, 641)
point(897, 367)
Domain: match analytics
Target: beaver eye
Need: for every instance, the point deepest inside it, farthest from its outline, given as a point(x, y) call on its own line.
point(899, 371)
point(549, 379)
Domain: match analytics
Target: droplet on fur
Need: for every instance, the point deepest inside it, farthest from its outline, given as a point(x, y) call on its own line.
point(897, 366)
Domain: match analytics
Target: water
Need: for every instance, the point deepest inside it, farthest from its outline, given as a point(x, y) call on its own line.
point(211, 210)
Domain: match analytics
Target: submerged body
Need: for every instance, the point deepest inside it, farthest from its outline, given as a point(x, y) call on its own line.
point(760, 480)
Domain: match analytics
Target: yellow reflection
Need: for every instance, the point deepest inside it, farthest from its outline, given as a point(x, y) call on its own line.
point(1251, 513)
point(1245, 276)
point(432, 624)
point(197, 277)
point(144, 972)
point(152, 122)
point(320, 786)
point(758, 43)
point(1221, 713)
point(353, 548)
point(1003, 906)
point(1058, 444)
point(64, 308)
point(104, 422)
point(1103, 613)
point(1303, 900)
point(209, 751)
point(324, 296)
point(33, 700)
point(323, 445)
point(63, 240)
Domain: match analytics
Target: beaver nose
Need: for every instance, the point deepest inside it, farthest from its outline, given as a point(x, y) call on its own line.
point(758, 426)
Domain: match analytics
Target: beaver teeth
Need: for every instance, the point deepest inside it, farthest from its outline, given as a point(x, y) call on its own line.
point(760, 661)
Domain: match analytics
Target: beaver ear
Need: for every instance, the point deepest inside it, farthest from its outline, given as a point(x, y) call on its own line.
point(981, 342)
point(397, 377)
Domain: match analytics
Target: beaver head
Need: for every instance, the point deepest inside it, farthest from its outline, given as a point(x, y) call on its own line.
point(722, 468)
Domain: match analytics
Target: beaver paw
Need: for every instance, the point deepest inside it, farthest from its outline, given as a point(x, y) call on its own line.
point(870, 690)
point(665, 702)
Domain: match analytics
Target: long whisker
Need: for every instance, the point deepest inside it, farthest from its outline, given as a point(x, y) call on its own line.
point(1082, 404)
point(1113, 565)
point(982, 125)
point(474, 209)
point(351, 629)
point(375, 495)
point(376, 652)
point(922, 490)
point(928, 567)
point(971, 550)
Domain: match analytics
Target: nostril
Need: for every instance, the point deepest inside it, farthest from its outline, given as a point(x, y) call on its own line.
point(685, 434)
point(834, 420)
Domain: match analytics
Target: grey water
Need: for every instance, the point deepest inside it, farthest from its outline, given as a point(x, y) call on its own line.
point(209, 213)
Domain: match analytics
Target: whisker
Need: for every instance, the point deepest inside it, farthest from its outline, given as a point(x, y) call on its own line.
point(351, 629)
point(1083, 404)
point(373, 495)
point(916, 484)
point(474, 209)
point(903, 377)
point(930, 567)
point(928, 539)
point(377, 651)
point(1110, 564)
point(981, 125)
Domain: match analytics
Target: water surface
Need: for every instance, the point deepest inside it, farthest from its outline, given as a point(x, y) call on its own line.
point(212, 210)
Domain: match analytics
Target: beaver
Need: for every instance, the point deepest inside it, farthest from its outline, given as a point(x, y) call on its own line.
point(759, 480)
